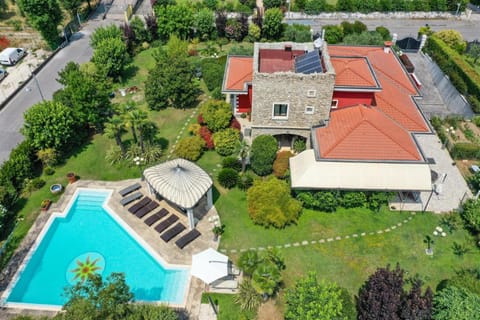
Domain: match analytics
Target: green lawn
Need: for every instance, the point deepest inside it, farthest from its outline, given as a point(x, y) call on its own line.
point(348, 261)
point(227, 308)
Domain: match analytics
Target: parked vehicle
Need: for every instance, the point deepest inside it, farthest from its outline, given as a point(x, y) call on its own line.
point(11, 56)
point(3, 74)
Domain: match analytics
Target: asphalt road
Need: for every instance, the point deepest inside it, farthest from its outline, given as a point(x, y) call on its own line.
point(11, 116)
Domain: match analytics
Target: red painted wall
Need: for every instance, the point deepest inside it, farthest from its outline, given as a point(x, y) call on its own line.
point(346, 99)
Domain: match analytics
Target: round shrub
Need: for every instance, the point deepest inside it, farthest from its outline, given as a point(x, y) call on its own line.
point(226, 141)
point(263, 153)
point(326, 201)
point(232, 163)
point(194, 129)
point(190, 148)
point(49, 171)
point(353, 199)
point(245, 181)
point(38, 183)
point(216, 114)
point(299, 145)
point(228, 178)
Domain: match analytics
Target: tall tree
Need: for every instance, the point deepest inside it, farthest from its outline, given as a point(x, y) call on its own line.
point(272, 24)
point(133, 119)
point(174, 20)
point(311, 299)
point(456, 303)
point(45, 16)
point(171, 82)
point(380, 296)
point(114, 129)
point(103, 33)
point(71, 6)
point(205, 24)
point(111, 57)
point(98, 299)
point(52, 125)
point(87, 94)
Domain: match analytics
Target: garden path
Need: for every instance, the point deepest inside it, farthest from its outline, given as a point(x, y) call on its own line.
point(326, 240)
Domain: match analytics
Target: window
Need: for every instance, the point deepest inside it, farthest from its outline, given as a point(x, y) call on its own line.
point(334, 104)
point(311, 93)
point(280, 110)
point(309, 110)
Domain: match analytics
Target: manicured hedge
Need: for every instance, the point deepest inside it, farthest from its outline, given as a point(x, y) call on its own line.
point(462, 75)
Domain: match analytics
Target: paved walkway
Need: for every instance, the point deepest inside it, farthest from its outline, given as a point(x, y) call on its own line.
point(326, 240)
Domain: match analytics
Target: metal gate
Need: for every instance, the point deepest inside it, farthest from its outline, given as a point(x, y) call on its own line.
point(408, 44)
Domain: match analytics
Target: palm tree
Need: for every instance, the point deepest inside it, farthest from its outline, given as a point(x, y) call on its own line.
point(266, 278)
point(114, 130)
point(243, 152)
point(146, 131)
point(248, 261)
point(133, 119)
point(248, 297)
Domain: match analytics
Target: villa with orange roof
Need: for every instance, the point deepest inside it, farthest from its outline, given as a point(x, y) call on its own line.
point(354, 106)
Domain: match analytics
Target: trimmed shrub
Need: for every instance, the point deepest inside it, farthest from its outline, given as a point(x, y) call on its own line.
point(49, 171)
point(299, 145)
point(326, 201)
point(194, 129)
point(465, 150)
point(384, 32)
point(226, 141)
point(270, 204)
point(228, 178)
point(378, 199)
point(232, 163)
point(262, 154)
point(245, 181)
point(471, 215)
point(216, 114)
point(235, 124)
point(281, 164)
point(38, 183)
point(352, 199)
point(190, 148)
point(207, 136)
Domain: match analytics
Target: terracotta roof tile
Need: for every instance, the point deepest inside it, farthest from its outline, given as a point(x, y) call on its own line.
point(239, 70)
point(353, 72)
point(365, 133)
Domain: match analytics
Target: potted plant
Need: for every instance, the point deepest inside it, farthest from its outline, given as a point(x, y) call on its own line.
point(218, 231)
point(71, 177)
point(45, 204)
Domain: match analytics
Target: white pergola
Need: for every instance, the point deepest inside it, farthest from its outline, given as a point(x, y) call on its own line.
point(181, 182)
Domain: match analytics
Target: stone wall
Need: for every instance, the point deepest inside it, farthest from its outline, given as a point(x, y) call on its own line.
point(294, 89)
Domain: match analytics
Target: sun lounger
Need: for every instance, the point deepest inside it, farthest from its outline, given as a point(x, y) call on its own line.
point(187, 238)
point(162, 226)
point(129, 189)
point(233, 270)
point(155, 217)
point(131, 198)
point(140, 204)
point(225, 284)
point(172, 232)
point(148, 208)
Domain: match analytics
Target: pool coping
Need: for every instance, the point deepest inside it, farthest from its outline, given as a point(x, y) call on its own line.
point(62, 214)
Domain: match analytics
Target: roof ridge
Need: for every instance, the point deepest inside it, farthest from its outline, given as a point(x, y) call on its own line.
point(393, 80)
point(358, 74)
point(338, 141)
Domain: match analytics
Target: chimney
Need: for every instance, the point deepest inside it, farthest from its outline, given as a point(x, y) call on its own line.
point(387, 46)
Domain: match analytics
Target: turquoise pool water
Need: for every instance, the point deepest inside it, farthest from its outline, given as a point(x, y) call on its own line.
point(88, 234)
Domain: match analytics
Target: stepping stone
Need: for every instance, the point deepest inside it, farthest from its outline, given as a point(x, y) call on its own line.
point(304, 242)
point(409, 218)
point(288, 245)
point(347, 237)
point(405, 221)
point(371, 233)
point(363, 234)
point(254, 249)
point(393, 227)
point(330, 239)
point(313, 242)
point(233, 251)
point(261, 249)
point(399, 224)
point(387, 230)
point(355, 235)
point(269, 247)
point(380, 231)
point(413, 213)
point(321, 241)
point(296, 244)
point(338, 238)
point(223, 250)
point(243, 250)
point(279, 247)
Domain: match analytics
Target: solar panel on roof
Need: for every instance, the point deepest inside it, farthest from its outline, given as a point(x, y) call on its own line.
point(308, 63)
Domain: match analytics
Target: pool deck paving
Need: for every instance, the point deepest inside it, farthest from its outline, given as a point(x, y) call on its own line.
point(170, 253)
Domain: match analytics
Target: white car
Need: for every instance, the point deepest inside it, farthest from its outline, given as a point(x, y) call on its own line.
point(11, 56)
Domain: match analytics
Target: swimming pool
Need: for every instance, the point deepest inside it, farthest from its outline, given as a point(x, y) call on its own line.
point(90, 238)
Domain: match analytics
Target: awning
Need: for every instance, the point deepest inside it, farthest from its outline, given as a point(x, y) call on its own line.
point(209, 265)
point(308, 173)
